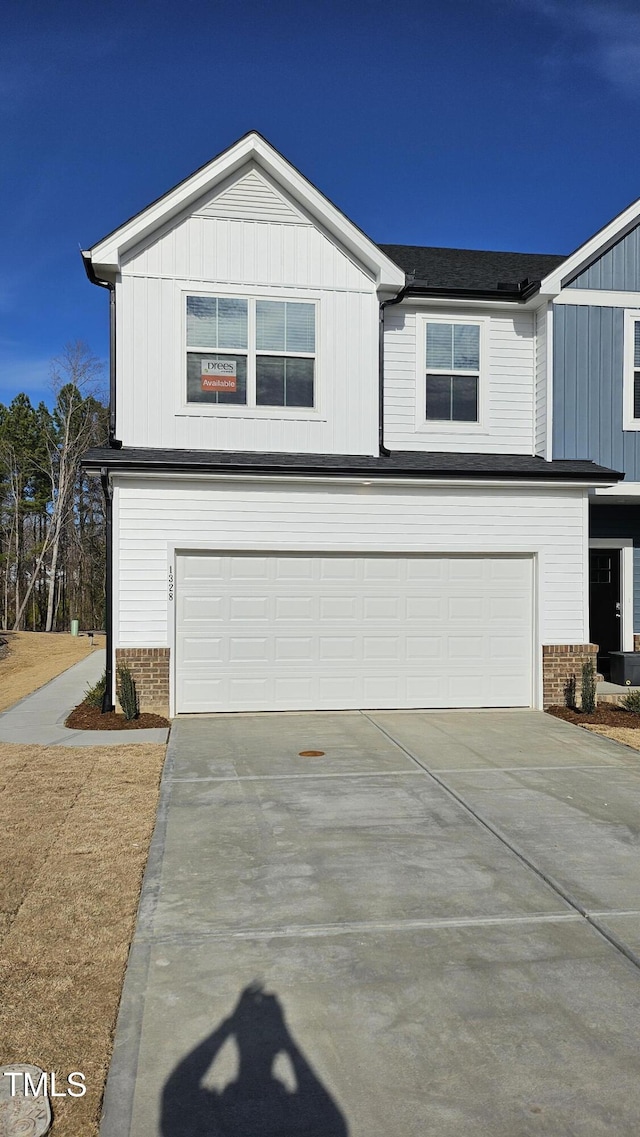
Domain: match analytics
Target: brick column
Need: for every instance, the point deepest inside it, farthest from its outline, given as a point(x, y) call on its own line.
point(636, 642)
point(150, 669)
point(559, 663)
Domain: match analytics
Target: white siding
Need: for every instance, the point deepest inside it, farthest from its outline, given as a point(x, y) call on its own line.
point(251, 196)
point(508, 383)
point(152, 515)
point(541, 380)
point(287, 258)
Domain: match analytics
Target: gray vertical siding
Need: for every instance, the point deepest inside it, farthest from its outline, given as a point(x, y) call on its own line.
point(617, 269)
point(587, 388)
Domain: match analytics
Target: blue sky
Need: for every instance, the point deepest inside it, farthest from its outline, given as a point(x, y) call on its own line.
point(496, 124)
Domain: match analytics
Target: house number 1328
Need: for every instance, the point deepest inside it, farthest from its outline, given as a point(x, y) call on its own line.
point(171, 583)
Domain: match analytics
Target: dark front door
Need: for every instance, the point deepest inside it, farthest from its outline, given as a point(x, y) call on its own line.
point(604, 604)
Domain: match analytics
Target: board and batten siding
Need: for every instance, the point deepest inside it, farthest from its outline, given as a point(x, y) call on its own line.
point(154, 515)
point(509, 385)
point(587, 388)
point(281, 255)
point(616, 270)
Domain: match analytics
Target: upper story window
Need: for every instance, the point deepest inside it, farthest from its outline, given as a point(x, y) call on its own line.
point(452, 372)
point(631, 416)
point(251, 353)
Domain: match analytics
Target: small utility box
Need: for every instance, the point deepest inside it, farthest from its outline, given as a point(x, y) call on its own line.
point(625, 668)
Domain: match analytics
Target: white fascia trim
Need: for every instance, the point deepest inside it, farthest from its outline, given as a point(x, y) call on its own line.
point(323, 479)
point(463, 302)
point(596, 245)
point(598, 298)
point(620, 489)
point(625, 545)
point(106, 254)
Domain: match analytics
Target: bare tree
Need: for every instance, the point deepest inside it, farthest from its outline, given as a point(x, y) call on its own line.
point(75, 379)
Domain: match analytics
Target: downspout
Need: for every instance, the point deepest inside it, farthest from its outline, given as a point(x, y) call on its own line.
point(382, 449)
point(107, 489)
point(114, 442)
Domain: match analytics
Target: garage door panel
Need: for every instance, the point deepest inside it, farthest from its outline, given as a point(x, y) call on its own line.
point(295, 568)
point(198, 610)
point(249, 608)
point(251, 568)
point(337, 632)
point(339, 607)
point(300, 648)
point(506, 648)
point(295, 608)
point(198, 568)
point(202, 649)
point(426, 568)
point(344, 570)
point(466, 609)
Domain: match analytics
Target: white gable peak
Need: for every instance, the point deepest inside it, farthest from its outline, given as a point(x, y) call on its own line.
point(272, 183)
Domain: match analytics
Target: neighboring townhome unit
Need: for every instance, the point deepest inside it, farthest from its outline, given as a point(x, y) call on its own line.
point(329, 475)
point(593, 300)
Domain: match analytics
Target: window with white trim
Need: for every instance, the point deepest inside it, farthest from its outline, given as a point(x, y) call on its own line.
point(452, 372)
point(632, 371)
point(251, 353)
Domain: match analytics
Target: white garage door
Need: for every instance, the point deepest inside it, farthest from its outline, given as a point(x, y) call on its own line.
point(298, 632)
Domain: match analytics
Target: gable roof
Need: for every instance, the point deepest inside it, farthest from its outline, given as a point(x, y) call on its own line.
point(601, 241)
point(105, 256)
point(471, 269)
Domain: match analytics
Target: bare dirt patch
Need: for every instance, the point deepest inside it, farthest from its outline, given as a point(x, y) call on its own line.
point(75, 826)
point(33, 658)
point(91, 718)
point(606, 714)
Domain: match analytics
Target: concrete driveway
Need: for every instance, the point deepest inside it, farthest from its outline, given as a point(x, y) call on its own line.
point(428, 930)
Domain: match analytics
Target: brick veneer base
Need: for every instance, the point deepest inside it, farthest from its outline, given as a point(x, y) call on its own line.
point(636, 642)
point(559, 663)
point(150, 669)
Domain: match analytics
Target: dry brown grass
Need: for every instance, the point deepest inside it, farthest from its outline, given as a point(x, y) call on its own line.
point(35, 658)
point(75, 826)
point(619, 734)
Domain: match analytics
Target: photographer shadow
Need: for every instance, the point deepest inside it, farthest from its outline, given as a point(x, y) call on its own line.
point(256, 1103)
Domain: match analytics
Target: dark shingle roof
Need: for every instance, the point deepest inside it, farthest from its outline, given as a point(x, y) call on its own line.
point(400, 464)
point(470, 269)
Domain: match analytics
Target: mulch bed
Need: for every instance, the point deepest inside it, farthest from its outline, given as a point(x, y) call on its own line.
point(91, 718)
point(607, 714)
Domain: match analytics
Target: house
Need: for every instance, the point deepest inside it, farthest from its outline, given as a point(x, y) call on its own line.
point(330, 479)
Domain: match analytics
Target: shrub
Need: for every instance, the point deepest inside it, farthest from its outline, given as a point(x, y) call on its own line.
point(570, 698)
point(588, 688)
point(631, 702)
point(93, 696)
point(127, 694)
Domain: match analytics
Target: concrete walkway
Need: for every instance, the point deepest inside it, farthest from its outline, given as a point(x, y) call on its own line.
point(39, 718)
point(430, 929)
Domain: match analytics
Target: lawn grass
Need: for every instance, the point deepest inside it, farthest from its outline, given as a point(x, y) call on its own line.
point(75, 827)
point(36, 657)
point(619, 734)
